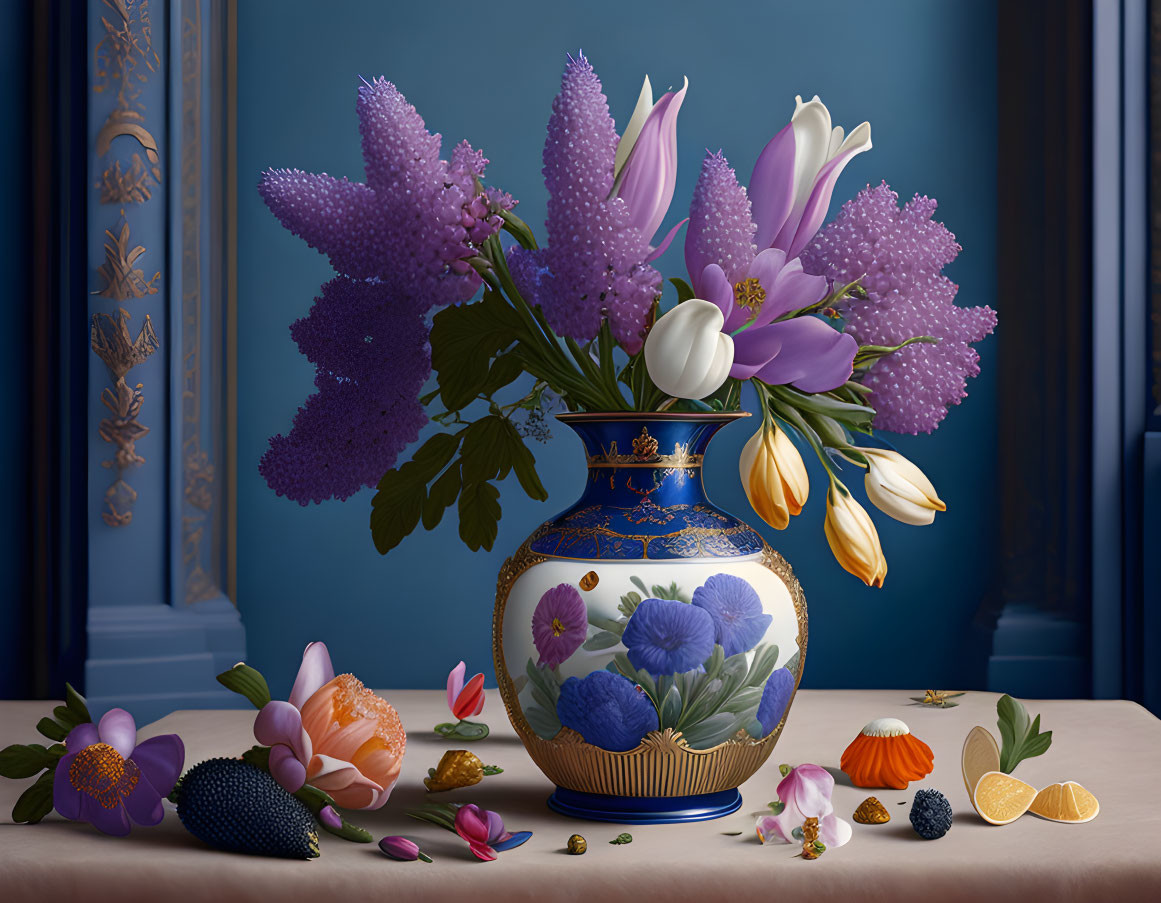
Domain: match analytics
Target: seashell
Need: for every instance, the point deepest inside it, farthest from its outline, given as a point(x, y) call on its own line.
point(589, 580)
point(872, 812)
point(457, 768)
point(577, 845)
point(887, 754)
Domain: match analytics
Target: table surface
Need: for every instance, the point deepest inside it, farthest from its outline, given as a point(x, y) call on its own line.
point(1111, 747)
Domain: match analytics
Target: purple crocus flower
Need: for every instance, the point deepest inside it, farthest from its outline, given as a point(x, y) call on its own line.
point(898, 255)
point(753, 290)
point(594, 267)
point(739, 622)
point(664, 636)
point(399, 243)
point(559, 624)
point(485, 832)
point(107, 778)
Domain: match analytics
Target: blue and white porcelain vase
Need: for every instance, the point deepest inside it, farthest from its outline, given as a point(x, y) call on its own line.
point(648, 645)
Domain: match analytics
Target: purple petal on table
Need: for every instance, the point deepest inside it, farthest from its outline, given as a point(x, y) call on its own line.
point(793, 290)
point(66, 799)
point(113, 821)
point(455, 684)
point(119, 730)
point(316, 669)
point(712, 285)
point(286, 768)
point(665, 242)
point(512, 841)
point(814, 357)
point(753, 350)
point(280, 722)
point(772, 186)
point(81, 736)
point(399, 848)
point(495, 826)
point(818, 203)
point(160, 760)
point(144, 805)
point(329, 817)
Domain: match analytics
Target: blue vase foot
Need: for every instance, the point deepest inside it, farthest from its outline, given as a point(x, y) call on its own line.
point(644, 810)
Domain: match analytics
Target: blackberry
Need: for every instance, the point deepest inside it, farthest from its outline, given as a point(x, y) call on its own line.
point(930, 814)
point(237, 807)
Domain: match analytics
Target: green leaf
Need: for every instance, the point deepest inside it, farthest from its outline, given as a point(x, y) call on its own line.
point(713, 730)
point(745, 701)
point(670, 592)
point(434, 455)
point(462, 730)
point(65, 716)
point(670, 708)
point(24, 760)
point(622, 839)
point(793, 663)
point(397, 505)
point(479, 507)
point(602, 623)
point(259, 756)
point(35, 802)
point(640, 584)
point(601, 640)
point(316, 800)
point(684, 289)
point(765, 658)
point(505, 369)
point(463, 340)
point(76, 702)
point(713, 664)
point(493, 769)
point(246, 681)
point(51, 729)
point(776, 806)
point(869, 354)
point(1021, 739)
point(442, 495)
point(630, 601)
point(524, 463)
point(487, 451)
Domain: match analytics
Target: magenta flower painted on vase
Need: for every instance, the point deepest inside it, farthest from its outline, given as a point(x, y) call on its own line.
point(107, 778)
point(559, 624)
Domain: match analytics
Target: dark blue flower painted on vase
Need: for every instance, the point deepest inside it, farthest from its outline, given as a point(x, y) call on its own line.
point(739, 622)
point(608, 710)
point(668, 637)
point(775, 698)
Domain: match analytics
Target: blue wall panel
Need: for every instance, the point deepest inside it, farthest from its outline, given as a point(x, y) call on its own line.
point(14, 257)
point(922, 73)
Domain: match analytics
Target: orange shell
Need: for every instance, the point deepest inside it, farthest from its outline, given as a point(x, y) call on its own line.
point(886, 754)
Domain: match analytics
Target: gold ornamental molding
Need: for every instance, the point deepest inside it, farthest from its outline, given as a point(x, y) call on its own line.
point(123, 61)
point(663, 764)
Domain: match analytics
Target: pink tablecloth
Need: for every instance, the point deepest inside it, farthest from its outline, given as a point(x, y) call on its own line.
point(1112, 748)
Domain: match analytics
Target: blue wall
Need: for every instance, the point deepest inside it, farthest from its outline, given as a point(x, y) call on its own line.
point(14, 263)
point(924, 75)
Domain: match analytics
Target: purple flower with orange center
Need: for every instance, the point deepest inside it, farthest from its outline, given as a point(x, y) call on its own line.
point(559, 624)
point(107, 778)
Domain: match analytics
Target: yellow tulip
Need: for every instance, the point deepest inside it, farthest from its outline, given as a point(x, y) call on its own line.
point(853, 538)
point(774, 476)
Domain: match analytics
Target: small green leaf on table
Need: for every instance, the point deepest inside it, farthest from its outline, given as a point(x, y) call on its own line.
point(35, 802)
point(1021, 739)
point(622, 839)
point(462, 730)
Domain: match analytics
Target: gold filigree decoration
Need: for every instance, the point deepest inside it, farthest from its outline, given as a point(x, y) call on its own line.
point(113, 344)
point(132, 187)
point(662, 764)
point(645, 455)
point(644, 446)
point(126, 48)
point(122, 279)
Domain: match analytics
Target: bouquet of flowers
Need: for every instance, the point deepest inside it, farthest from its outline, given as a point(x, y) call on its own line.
point(842, 331)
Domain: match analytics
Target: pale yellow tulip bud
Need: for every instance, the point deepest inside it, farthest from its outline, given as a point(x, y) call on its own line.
point(853, 538)
point(897, 487)
point(774, 476)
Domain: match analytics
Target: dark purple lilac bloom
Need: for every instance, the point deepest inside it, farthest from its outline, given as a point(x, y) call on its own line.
point(668, 637)
point(775, 697)
point(739, 622)
point(399, 243)
point(594, 266)
point(608, 710)
point(753, 289)
point(107, 778)
point(899, 255)
point(559, 624)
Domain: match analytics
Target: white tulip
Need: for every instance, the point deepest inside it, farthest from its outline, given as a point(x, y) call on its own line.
point(897, 487)
point(686, 353)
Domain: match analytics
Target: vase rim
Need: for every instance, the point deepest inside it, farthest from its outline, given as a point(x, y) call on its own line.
point(673, 416)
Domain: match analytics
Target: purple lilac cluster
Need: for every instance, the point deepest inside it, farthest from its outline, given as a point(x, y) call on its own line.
point(593, 267)
point(898, 254)
point(721, 228)
point(399, 243)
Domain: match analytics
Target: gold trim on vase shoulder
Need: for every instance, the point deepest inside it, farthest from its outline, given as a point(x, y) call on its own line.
point(663, 764)
point(645, 454)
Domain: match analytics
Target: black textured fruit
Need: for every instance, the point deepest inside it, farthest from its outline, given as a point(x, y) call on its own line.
point(237, 807)
point(930, 814)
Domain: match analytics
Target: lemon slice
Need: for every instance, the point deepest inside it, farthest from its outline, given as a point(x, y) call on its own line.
point(1001, 799)
point(980, 755)
point(1067, 802)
